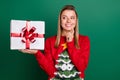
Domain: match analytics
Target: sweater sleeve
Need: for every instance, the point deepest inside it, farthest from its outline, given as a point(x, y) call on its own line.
point(45, 60)
point(80, 56)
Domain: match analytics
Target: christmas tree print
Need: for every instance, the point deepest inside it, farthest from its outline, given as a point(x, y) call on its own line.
point(65, 69)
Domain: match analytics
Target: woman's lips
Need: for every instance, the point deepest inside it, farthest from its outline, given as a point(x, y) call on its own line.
point(68, 25)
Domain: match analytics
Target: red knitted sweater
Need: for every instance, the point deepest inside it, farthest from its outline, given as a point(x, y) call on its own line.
point(79, 57)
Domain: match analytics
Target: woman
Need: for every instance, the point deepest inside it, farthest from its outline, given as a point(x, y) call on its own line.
point(66, 55)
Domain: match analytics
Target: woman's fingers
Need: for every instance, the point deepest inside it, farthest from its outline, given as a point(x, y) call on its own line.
point(69, 35)
point(28, 51)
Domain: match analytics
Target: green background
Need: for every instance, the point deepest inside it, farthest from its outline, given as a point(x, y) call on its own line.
point(99, 19)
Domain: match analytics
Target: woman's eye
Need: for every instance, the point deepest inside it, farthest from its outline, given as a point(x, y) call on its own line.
point(63, 17)
point(72, 17)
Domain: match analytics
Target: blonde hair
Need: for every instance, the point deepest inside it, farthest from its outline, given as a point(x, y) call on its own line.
point(76, 34)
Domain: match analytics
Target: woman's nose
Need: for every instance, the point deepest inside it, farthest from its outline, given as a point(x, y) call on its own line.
point(68, 20)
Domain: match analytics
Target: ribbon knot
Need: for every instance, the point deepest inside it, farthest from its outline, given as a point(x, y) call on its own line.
point(28, 34)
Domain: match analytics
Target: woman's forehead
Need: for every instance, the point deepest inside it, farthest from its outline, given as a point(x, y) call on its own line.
point(68, 12)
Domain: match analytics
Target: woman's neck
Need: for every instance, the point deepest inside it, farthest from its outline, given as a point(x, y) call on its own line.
point(64, 32)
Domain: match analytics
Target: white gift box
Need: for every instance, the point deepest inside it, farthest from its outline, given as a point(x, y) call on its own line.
point(27, 34)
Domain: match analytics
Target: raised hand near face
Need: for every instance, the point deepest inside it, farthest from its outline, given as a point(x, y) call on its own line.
point(69, 35)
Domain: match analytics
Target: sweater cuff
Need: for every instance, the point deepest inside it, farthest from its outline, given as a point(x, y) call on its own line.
point(38, 53)
point(70, 44)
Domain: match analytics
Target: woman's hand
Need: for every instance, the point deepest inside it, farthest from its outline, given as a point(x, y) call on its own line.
point(29, 51)
point(82, 79)
point(69, 35)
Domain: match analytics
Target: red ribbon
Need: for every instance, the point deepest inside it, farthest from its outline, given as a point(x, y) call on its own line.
point(28, 35)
